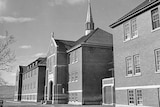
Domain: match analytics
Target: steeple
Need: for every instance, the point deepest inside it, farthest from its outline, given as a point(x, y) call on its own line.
point(89, 20)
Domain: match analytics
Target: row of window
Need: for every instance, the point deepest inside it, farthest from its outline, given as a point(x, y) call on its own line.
point(73, 57)
point(73, 97)
point(29, 97)
point(133, 64)
point(29, 86)
point(30, 74)
point(73, 77)
point(135, 97)
point(130, 27)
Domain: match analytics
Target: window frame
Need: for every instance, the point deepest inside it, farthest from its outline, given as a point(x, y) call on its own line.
point(128, 67)
point(136, 65)
point(153, 29)
point(139, 98)
point(134, 28)
point(129, 97)
point(156, 64)
point(127, 34)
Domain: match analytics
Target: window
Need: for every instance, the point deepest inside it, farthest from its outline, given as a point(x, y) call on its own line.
point(72, 77)
point(157, 57)
point(73, 57)
point(136, 64)
point(126, 31)
point(31, 73)
point(155, 18)
point(134, 31)
point(76, 97)
point(129, 66)
point(130, 29)
point(76, 76)
point(139, 97)
point(131, 97)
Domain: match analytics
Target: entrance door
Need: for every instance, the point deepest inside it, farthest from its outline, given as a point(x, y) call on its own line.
point(50, 90)
point(108, 95)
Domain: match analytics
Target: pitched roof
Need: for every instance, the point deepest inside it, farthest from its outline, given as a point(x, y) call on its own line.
point(67, 44)
point(98, 36)
point(144, 6)
point(42, 60)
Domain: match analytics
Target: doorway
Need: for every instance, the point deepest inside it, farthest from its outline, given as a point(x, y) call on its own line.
point(50, 90)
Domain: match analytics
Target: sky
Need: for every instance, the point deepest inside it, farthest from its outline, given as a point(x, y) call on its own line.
point(32, 21)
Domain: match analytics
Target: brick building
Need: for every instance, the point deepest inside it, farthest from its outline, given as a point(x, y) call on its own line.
point(33, 81)
point(56, 91)
point(137, 56)
point(89, 64)
point(18, 83)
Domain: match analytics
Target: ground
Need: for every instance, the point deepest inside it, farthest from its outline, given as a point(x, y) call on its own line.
point(22, 104)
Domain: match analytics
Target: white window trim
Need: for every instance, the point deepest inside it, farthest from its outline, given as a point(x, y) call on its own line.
point(128, 75)
point(130, 27)
point(136, 74)
point(157, 71)
point(158, 28)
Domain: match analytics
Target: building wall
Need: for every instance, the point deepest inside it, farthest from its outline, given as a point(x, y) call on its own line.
point(41, 83)
point(51, 68)
point(61, 78)
point(29, 92)
point(144, 45)
point(75, 87)
point(96, 67)
point(16, 87)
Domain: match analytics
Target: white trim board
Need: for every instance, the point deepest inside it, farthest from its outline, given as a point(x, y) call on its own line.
point(138, 87)
point(75, 91)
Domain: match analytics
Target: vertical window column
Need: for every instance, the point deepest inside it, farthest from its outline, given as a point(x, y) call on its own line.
point(129, 66)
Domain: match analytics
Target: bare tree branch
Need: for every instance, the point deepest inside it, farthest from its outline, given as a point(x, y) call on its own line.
point(7, 56)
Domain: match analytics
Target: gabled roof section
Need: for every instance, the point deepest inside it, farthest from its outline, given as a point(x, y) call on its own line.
point(67, 44)
point(98, 37)
point(42, 61)
point(144, 6)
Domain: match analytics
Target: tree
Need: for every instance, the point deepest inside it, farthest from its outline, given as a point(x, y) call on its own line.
point(7, 56)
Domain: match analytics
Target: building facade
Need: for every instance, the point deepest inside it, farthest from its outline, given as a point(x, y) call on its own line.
point(57, 72)
point(88, 65)
point(33, 81)
point(137, 56)
point(18, 85)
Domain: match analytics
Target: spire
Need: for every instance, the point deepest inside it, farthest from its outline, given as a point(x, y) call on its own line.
point(89, 20)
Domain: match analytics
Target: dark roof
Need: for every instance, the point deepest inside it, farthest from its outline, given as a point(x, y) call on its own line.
point(85, 38)
point(43, 61)
point(144, 6)
point(98, 36)
point(67, 44)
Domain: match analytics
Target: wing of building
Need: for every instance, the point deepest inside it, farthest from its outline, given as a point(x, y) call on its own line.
point(136, 56)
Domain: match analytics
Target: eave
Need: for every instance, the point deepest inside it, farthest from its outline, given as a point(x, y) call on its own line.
point(136, 13)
